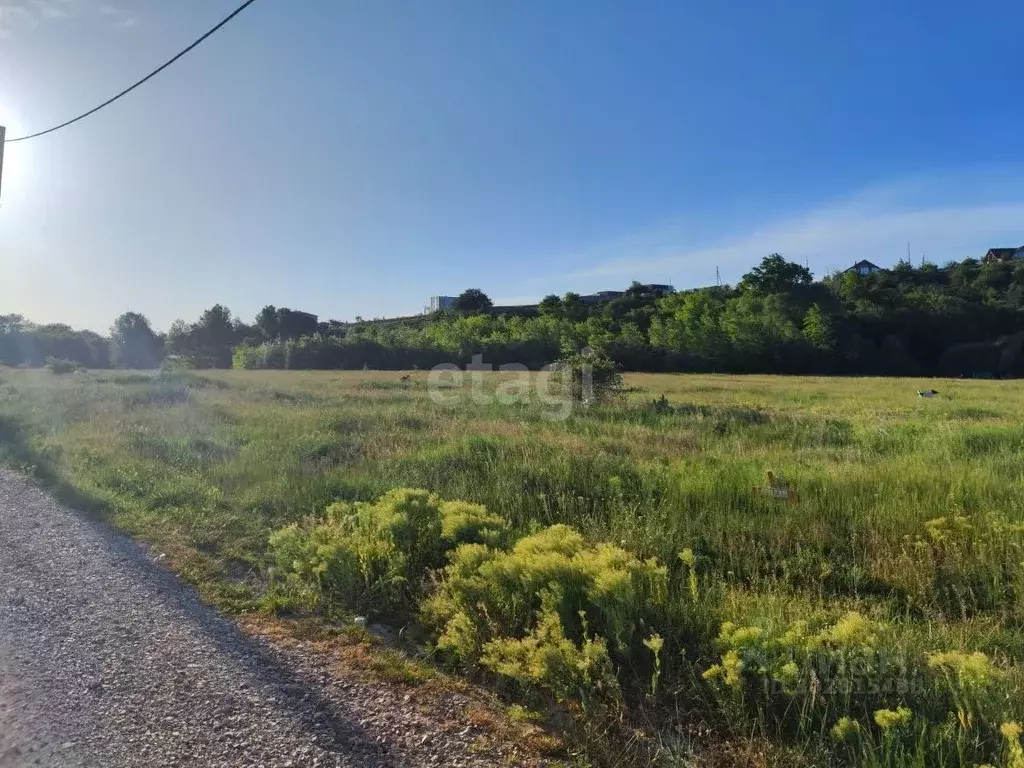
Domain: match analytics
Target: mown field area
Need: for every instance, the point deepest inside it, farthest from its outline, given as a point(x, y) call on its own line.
point(633, 572)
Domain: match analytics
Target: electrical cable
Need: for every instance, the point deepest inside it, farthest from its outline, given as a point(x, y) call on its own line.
point(148, 77)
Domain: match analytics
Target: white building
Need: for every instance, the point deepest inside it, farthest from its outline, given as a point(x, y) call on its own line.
point(437, 303)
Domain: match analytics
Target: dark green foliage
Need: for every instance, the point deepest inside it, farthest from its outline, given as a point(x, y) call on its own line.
point(593, 377)
point(551, 306)
point(964, 319)
point(133, 343)
point(472, 301)
point(286, 324)
point(267, 323)
point(293, 324)
point(775, 275)
point(206, 343)
point(24, 343)
point(375, 557)
point(59, 366)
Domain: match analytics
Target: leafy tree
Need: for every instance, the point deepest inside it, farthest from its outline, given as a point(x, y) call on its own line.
point(963, 318)
point(760, 331)
point(573, 308)
point(206, 343)
point(133, 343)
point(818, 329)
point(551, 306)
point(776, 275)
point(11, 324)
point(472, 301)
point(215, 335)
point(11, 327)
point(268, 323)
point(294, 324)
point(245, 333)
point(591, 376)
point(691, 323)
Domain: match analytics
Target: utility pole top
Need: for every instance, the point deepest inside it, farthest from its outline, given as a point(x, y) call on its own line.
point(3, 136)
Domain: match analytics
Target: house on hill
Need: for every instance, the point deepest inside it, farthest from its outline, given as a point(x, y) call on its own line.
point(601, 297)
point(641, 289)
point(658, 289)
point(1003, 254)
point(438, 303)
point(863, 267)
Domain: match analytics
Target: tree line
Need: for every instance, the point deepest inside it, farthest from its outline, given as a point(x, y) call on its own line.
point(965, 318)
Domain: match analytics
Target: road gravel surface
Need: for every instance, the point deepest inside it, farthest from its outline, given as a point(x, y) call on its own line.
point(107, 659)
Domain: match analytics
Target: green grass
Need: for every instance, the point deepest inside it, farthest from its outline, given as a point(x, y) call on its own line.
point(207, 466)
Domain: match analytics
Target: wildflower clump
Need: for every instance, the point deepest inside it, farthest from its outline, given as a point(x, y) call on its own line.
point(845, 729)
point(465, 523)
point(967, 670)
point(791, 658)
point(892, 719)
point(969, 679)
point(851, 631)
point(690, 561)
point(546, 658)
point(518, 611)
point(374, 556)
point(654, 644)
point(1014, 751)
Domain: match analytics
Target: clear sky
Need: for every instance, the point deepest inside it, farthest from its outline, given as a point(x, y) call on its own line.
point(353, 157)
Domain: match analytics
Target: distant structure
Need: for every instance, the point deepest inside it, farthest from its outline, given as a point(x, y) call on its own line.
point(602, 296)
point(863, 267)
point(648, 289)
point(1003, 254)
point(437, 303)
point(658, 289)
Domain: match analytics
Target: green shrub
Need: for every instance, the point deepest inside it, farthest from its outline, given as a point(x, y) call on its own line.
point(590, 377)
point(546, 658)
point(518, 611)
point(880, 703)
point(819, 668)
point(374, 556)
point(465, 523)
point(60, 366)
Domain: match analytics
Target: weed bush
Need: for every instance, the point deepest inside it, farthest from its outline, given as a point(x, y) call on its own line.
point(880, 703)
point(60, 366)
point(373, 556)
point(590, 377)
point(552, 612)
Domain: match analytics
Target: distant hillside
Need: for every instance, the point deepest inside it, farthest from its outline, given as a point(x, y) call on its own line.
point(964, 319)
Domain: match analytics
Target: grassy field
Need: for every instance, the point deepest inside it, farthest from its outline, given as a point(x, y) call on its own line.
point(863, 606)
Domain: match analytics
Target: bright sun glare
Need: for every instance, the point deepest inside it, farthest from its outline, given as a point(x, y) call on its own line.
point(15, 169)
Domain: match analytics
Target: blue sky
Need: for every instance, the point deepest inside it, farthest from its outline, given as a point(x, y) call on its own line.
point(353, 157)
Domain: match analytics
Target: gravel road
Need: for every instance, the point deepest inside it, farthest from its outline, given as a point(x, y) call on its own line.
point(107, 660)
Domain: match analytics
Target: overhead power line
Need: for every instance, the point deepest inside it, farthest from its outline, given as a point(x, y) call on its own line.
point(148, 77)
